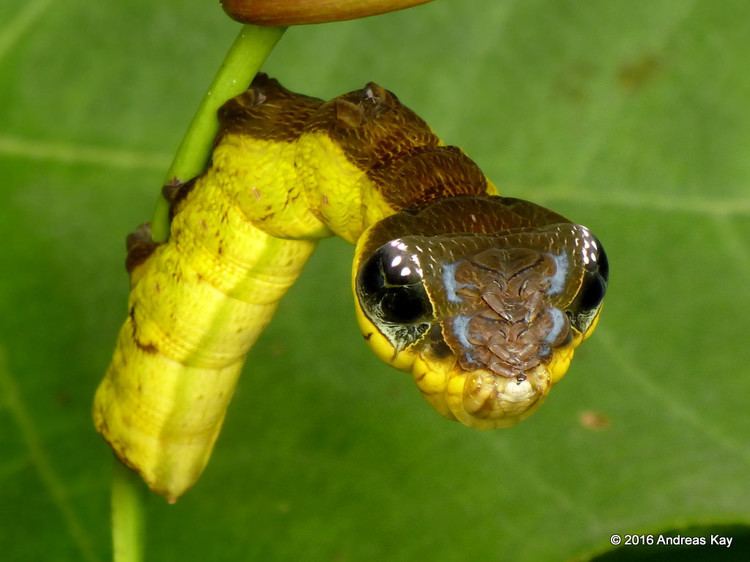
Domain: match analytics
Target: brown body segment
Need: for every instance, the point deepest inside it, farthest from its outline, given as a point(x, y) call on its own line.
point(267, 111)
point(403, 158)
point(372, 127)
point(426, 176)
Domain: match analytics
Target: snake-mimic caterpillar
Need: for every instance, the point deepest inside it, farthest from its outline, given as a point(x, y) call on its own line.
point(482, 298)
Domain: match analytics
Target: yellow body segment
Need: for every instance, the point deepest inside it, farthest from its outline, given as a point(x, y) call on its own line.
point(197, 306)
point(273, 190)
point(332, 184)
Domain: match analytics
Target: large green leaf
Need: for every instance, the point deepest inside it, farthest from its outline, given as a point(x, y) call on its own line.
point(629, 116)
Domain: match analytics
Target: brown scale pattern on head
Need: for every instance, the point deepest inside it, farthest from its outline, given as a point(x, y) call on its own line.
point(507, 317)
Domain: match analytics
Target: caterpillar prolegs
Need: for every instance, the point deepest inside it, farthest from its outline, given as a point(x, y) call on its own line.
point(482, 298)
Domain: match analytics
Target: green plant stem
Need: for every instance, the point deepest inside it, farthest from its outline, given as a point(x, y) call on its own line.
point(127, 514)
point(244, 59)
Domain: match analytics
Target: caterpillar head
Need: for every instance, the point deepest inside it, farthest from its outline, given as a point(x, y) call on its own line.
point(483, 299)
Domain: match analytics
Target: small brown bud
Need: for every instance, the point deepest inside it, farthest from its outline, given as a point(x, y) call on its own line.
point(294, 12)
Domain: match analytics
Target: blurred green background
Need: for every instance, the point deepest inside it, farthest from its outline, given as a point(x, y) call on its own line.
point(631, 117)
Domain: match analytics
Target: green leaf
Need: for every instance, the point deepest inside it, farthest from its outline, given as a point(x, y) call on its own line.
point(629, 117)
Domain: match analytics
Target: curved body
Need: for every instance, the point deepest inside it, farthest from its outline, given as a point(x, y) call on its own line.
point(288, 170)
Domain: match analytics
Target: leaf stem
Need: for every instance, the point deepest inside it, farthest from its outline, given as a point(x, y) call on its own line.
point(127, 514)
point(244, 59)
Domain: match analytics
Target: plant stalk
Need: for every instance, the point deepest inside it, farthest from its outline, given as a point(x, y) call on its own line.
point(244, 59)
point(127, 514)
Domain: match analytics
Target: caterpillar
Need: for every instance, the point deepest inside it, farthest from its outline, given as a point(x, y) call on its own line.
point(482, 298)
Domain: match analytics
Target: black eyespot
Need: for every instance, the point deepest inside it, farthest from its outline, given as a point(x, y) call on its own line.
point(393, 264)
point(389, 286)
point(600, 260)
point(593, 288)
point(592, 292)
point(404, 305)
point(371, 279)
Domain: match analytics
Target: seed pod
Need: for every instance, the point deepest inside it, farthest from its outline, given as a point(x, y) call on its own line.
point(294, 12)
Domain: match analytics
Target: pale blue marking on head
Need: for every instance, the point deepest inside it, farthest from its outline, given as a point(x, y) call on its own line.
point(461, 328)
point(557, 281)
point(449, 282)
point(558, 323)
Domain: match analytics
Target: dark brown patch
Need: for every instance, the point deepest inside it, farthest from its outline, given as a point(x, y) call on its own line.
point(367, 336)
point(634, 75)
point(145, 347)
point(175, 193)
point(170, 189)
point(139, 246)
point(151, 349)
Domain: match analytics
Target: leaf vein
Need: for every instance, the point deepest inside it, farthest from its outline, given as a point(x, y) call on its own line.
point(675, 407)
point(696, 205)
point(80, 154)
point(542, 485)
point(12, 33)
point(55, 487)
